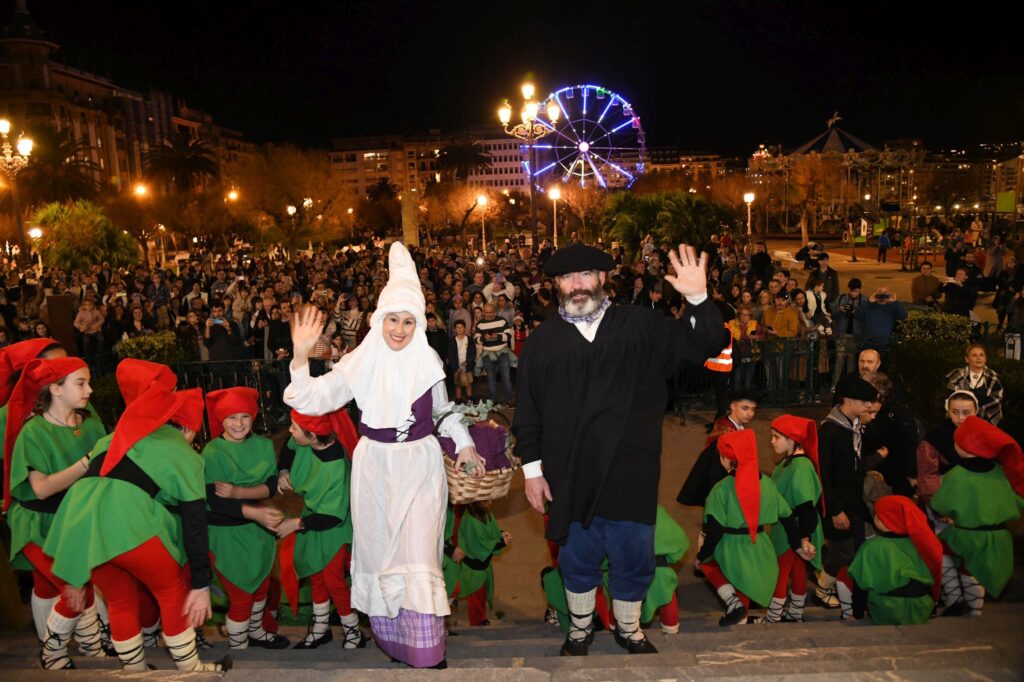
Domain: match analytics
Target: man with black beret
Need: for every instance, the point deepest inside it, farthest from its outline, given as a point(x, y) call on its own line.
point(842, 479)
point(590, 403)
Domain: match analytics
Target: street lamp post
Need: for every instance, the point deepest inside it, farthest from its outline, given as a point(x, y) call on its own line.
point(351, 226)
point(748, 198)
point(481, 201)
point(555, 193)
point(530, 130)
point(10, 163)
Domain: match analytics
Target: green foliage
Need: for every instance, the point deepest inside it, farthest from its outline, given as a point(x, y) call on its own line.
point(674, 217)
point(1011, 376)
point(929, 346)
point(183, 161)
point(79, 234)
point(162, 347)
point(58, 170)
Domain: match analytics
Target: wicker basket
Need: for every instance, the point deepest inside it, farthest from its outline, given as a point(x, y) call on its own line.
point(463, 488)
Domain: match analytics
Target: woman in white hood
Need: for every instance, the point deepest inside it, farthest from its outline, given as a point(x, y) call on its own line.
point(399, 489)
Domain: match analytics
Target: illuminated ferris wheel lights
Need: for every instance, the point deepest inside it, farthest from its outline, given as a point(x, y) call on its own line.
point(584, 146)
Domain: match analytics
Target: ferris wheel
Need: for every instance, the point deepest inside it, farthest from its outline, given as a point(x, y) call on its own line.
point(597, 139)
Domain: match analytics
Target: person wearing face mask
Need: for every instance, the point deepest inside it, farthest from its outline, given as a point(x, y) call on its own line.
point(114, 526)
point(44, 454)
point(399, 488)
point(241, 469)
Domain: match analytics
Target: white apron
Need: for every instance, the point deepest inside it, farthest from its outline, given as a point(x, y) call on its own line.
point(399, 497)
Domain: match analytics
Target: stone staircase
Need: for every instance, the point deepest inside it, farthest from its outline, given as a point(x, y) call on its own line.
point(989, 648)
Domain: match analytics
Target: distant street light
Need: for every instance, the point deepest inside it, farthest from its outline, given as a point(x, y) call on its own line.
point(232, 195)
point(481, 201)
point(140, 190)
point(554, 193)
point(291, 210)
point(748, 199)
point(35, 233)
point(11, 162)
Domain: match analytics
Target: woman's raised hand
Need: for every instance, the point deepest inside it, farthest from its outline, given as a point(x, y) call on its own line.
point(307, 327)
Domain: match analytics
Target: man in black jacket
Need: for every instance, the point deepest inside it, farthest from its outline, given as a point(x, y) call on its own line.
point(840, 440)
point(588, 422)
point(825, 273)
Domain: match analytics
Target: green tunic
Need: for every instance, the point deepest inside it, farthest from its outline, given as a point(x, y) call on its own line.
point(324, 486)
point(670, 544)
point(973, 499)
point(798, 483)
point(752, 568)
point(243, 554)
point(102, 518)
point(46, 448)
point(883, 564)
point(478, 540)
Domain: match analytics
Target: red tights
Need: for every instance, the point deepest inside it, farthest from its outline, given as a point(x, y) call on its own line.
point(46, 585)
point(239, 601)
point(151, 565)
point(669, 613)
point(845, 578)
point(717, 579)
point(792, 571)
point(330, 583)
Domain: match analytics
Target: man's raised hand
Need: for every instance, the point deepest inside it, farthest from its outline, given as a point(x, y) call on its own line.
point(307, 326)
point(690, 278)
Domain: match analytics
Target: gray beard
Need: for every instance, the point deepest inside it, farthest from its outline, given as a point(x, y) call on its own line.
point(594, 299)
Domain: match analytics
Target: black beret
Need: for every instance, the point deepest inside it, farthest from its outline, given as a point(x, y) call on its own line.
point(855, 388)
point(577, 258)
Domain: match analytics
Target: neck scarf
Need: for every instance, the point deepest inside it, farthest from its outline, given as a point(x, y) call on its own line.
point(851, 425)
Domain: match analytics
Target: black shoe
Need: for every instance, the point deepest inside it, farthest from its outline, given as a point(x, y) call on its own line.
point(353, 637)
point(576, 647)
point(226, 664)
point(443, 665)
point(483, 623)
point(786, 618)
point(272, 641)
point(644, 646)
point(958, 608)
point(319, 642)
point(734, 617)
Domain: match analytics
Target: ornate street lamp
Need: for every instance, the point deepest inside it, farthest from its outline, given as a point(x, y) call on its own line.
point(748, 199)
point(13, 160)
point(530, 130)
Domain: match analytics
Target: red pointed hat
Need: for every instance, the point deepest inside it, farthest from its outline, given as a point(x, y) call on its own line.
point(14, 358)
point(135, 376)
point(900, 515)
point(37, 374)
point(222, 404)
point(805, 433)
point(148, 412)
point(977, 437)
point(741, 447)
point(337, 422)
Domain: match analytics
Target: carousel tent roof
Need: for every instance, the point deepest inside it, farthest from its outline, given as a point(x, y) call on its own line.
point(834, 140)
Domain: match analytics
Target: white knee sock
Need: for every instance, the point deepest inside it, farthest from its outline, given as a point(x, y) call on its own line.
point(54, 655)
point(974, 594)
point(952, 586)
point(88, 633)
point(256, 630)
point(845, 601)
point(185, 655)
point(238, 633)
point(627, 619)
point(350, 628)
point(796, 605)
point(132, 653)
point(727, 593)
point(40, 612)
point(774, 614)
point(320, 625)
point(581, 613)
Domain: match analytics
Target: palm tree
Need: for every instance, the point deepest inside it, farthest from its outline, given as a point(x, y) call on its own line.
point(463, 156)
point(382, 190)
point(59, 170)
point(183, 161)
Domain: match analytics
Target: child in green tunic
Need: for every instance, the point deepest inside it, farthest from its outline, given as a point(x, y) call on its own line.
point(46, 454)
point(795, 439)
point(115, 528)
point(976, 499)
point(670, 544)
point(738, 557)
point(480, 540)
point(241, 468)
point(894, 574)
point(316, 464)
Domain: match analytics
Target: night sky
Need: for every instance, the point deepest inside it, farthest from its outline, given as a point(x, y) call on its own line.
point(720, 76)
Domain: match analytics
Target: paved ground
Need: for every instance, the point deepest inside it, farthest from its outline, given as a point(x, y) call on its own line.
point(519, 647)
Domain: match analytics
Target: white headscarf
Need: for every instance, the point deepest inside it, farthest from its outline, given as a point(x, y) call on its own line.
point(385, 383)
